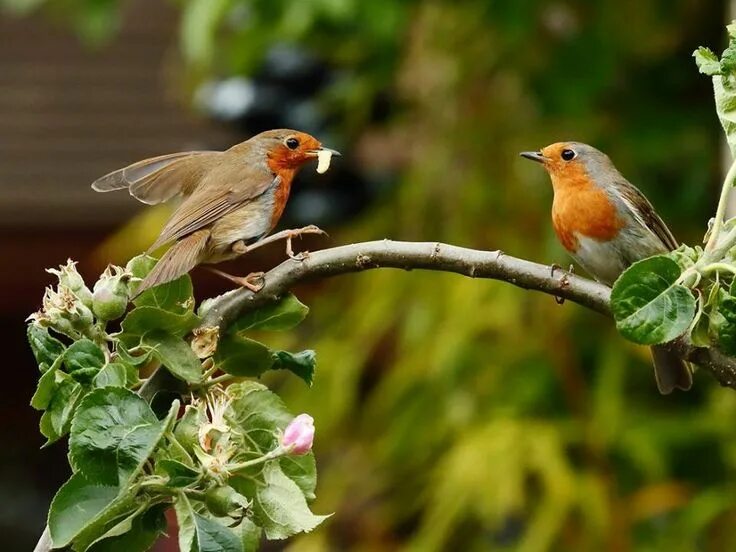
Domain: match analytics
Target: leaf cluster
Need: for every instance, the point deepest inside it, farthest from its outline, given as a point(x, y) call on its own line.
point(210, 451)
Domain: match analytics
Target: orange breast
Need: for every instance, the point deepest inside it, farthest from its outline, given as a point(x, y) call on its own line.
point(281, 194)
point(580, 207)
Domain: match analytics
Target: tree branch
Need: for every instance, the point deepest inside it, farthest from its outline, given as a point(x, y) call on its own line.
point(494, 265)
point(359, 257)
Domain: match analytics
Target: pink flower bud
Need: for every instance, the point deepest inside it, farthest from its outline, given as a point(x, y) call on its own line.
point(299, 434)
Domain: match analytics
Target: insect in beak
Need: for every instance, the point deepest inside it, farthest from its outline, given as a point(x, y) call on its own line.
point(324, 156)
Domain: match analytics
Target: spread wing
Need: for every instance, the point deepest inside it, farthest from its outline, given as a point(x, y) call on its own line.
point(160, 178)
point(214, 199)
point(644, 212)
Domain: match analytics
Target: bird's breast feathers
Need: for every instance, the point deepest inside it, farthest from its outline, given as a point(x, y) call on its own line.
point(584, 211)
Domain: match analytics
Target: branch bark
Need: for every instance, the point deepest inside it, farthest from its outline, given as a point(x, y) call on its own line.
point(495, 265)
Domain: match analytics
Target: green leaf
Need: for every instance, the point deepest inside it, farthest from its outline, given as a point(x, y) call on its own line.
point(180, 475)
point(302, 470)
point(727, 327)
point(187, 526)
point(114, 374)
point(200, 534)
point(136, 533)
point(215, 537)
point(174, 353)
point(83, 360)
point(647, 304)
point(143, 320)
point(302, 364)
point(243, 357)
point(250, 534)
point(187, 427)
point(82, 511)
point(725, 96)
point(140, 266)
point(279, 505)
point(707, 61)
point(257, 412)
point(75, 506)
point(175, 296)
point(57, 419)
point(285, 314)
point(123, 355)
point(45, 348)
point(113, 434)
point(45, 390)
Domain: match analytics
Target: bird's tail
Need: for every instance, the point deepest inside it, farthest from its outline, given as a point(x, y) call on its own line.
point(670, 371)
point(181, 257)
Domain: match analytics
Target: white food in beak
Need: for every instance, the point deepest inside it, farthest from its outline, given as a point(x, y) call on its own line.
point(323, 160)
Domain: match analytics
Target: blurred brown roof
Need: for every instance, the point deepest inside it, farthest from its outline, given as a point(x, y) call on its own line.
point(69, 113)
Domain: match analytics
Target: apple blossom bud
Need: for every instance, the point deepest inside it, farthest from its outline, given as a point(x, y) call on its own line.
point(65, 311)
point(110, 297)
point(299, 435)
point(71, 279)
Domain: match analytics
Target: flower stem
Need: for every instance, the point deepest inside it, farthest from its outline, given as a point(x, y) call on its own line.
point(275, 453)
point(721, 210)
point(215, 381)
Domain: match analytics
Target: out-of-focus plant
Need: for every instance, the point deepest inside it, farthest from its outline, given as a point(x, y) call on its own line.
point(230, 459)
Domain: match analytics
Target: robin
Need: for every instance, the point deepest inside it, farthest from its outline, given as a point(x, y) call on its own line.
point(232, 199)
point(606, 224)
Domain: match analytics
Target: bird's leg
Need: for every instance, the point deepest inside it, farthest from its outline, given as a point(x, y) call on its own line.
point(239, 247)
point(288, 235)
point(253, 281)
point(564, 279)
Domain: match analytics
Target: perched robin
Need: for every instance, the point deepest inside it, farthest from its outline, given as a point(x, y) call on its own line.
point(607, 224)
point(232, 199)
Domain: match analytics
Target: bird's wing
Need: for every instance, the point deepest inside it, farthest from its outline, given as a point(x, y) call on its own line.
point(158, 179)
point(645, 213)
point(211, 201)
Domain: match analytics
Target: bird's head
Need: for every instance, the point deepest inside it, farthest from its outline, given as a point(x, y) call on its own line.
point(569, 163)
point(290, 149)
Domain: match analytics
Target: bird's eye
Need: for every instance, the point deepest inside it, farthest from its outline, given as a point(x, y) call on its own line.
point(568, 154)
point(292, 143)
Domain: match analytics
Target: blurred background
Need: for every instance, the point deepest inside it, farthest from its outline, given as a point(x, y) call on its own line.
point(452, 414)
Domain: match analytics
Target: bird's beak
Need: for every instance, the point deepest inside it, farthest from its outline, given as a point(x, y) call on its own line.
point(315, 152)
point(534, 156)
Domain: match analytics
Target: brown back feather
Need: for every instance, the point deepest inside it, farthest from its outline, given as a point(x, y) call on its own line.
point(225, 188)
point(643, 210)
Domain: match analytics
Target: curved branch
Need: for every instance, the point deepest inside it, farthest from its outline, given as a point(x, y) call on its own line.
point(358, 257)
point(495, 265)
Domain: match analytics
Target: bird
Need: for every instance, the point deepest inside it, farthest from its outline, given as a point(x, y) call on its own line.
point(606, 224)
point(231, 200)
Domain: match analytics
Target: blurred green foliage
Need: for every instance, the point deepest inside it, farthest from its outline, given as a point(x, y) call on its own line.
point(455, 414)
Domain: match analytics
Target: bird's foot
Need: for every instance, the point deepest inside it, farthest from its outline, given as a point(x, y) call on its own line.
point(239, 247)
point(290, 234)
point(564, 280)
point(253, 281)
